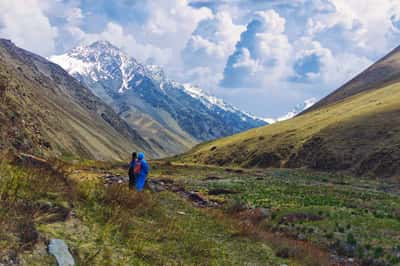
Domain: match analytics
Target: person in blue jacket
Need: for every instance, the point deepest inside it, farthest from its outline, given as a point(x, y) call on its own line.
point(132, 179)
point(141, 171)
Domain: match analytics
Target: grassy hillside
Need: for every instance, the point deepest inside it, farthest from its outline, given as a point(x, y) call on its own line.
point(360, 134)
point(45, 111)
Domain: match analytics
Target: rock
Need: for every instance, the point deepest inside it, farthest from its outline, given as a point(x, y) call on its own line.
point(193, 196)
point(265, 212)
point(301, 237)
point(155, 187)
point(166, 180)
point(59, 249)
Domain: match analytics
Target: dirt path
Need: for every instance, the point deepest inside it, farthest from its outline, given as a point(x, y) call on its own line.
point(165, 184)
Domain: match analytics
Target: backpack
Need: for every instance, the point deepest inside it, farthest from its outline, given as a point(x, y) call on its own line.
point(138, 167)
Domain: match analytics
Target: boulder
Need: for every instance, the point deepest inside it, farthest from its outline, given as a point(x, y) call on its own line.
point(59, 249)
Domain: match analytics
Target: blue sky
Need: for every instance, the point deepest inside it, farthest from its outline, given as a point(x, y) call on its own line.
point(262, 56)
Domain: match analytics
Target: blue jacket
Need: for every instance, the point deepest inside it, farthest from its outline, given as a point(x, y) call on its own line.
point(144, 171)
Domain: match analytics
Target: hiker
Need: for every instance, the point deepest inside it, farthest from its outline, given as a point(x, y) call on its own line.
point(132, 180)
point(141, 171)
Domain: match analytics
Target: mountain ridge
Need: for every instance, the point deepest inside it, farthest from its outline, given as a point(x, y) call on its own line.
point(384, 72)
point(357, 134)
point(46, 111)
point(170, 115)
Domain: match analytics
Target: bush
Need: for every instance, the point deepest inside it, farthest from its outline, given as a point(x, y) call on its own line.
point(351, 240)
point(378, 252)
point(235, 206)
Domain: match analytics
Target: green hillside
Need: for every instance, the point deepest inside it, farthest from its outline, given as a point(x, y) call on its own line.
point(360, 134)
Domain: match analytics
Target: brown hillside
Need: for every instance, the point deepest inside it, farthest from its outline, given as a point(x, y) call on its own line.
point(43, 110)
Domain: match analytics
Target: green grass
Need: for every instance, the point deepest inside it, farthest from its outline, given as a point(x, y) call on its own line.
point(361, 134)
point(357, 217)
point(112, 225)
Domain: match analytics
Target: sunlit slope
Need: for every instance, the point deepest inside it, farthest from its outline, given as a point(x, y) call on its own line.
point(360, 133)
point(384, 72)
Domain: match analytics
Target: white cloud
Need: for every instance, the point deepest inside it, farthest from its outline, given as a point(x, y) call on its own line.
point(263, 54)
point(74, 16)
point(273, 22)
point(26, 24)
point(245, 61)
point(216, 36)
point(173, 21)
point(213, 40)
point(366, 24)
point(341, 67)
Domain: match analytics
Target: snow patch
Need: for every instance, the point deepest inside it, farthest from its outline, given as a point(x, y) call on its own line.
point(297, 110)
point(101, 61)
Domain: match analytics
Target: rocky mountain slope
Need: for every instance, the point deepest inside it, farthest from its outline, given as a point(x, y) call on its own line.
point(45, 111)
point(384, 72)
point(169, 115)
point(360, 134)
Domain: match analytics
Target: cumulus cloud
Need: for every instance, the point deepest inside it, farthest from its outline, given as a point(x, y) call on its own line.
point(173, 21)
point(318, 64)
point(262, 55)
point(213, 40)
point(367, 25)
point(214, 37)
point(26, 24)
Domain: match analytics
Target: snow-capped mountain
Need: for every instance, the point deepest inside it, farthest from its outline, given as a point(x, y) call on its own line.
point(296, 110)
point(171, 115)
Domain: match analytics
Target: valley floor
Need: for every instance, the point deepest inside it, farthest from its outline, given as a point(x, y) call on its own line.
point(196, 215)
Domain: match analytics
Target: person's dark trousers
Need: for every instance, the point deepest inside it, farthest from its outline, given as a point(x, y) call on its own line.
point(132, 179)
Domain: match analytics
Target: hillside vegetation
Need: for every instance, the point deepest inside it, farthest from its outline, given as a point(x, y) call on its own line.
point(110, 225)
point(360, 134)
point(45, 111)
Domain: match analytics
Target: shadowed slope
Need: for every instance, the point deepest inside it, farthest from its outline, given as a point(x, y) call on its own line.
point(45, 111)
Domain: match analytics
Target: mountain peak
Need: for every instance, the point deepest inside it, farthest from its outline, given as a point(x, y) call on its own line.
point(96, 51)
point(102, 44)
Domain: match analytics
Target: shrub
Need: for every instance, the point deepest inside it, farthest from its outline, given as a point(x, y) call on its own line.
point(378, 252)
point(351, 240)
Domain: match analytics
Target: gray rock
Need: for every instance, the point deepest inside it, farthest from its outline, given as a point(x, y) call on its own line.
point(59, 249)
point(265, 212)
point(301, 237)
